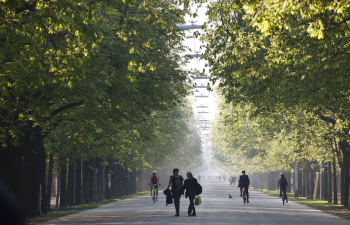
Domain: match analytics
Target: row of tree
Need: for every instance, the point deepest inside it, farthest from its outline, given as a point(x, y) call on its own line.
point(84, 80)
point(283, 68)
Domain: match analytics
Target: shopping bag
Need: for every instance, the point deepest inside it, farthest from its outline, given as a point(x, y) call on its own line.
point(197, 200)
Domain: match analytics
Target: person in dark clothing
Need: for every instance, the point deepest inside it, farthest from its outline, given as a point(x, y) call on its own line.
point(244, 183)
point(283, 184)
point(176, 182)
point(190, 187)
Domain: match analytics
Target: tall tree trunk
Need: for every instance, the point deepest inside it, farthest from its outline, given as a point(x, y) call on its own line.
point(70, 185)
point(86, 182)
point(312, 182)
point(335, 191)
point(49, 184)
point(58, 188)
point(78, 183)
point(341, 183)
point(22, 169)
point(63, 199)
point(344, 146)
point(307, 178)
point(329, 164)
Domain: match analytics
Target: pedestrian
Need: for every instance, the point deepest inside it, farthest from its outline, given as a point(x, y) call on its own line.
point(230, 179)
point(176, 182)
point(190, 187)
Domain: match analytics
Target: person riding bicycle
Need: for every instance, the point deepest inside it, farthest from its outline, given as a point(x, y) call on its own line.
point(283, 184)
point(244, 183)
point(154, 179)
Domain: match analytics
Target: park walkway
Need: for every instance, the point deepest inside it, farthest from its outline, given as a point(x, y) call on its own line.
point(217, 208)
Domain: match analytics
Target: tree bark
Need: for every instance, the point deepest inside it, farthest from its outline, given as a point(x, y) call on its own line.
point(312, 182)
point(49, 184)
point(335, 192)
point(63, 199)
point(22, 169)
point(78, 183)
point(344, 146)
point(87, 182)
point(70, 185)
point(329, 164)
point(58, 188)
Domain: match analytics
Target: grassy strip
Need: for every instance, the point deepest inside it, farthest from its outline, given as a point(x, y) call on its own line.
point(315, 202)
point(93, 205)
point(336, 209)
point(54, 214)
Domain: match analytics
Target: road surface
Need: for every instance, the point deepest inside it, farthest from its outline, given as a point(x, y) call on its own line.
point(217, 208)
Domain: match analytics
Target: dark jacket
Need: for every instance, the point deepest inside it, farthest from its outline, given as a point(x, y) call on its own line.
point(243, 181)
point(169, 199)
point(190, 186)
point(279, 182)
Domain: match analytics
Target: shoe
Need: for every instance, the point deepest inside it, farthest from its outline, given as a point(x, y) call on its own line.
point(193, 214)
point(189, 214)
point(286, 200)
point(247, 201)
point(177, 215)
point(240, 195)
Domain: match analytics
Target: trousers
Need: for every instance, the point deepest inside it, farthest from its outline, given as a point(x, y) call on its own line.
point(177, 196)
point(191, 208)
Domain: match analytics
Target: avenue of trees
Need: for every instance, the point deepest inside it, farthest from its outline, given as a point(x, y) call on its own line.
point(283, 68)
point(91, 83)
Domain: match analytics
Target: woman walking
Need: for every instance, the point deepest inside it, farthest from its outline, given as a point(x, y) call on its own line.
point(176, 182)
point(190, 187)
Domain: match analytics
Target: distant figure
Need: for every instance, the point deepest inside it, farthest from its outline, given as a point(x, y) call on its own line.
point(233, 179)
point(230, 179)
point(244, 183)
point(283, 184)
point(219, 178)
point(10, 212)
point(199, 178)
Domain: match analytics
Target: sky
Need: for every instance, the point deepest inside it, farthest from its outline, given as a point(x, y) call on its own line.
point(195, 44)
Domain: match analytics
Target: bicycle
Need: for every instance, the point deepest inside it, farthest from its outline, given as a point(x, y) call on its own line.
point(244, 195)
point(154, 197)
point(283, 196)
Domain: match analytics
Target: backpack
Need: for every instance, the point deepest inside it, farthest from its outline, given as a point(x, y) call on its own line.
point(198, 189)
point(283, 181)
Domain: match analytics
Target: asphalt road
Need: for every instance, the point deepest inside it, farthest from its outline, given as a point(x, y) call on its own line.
point(216, 208)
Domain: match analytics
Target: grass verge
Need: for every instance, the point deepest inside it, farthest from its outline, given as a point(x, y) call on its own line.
point(335, 209)
point(54, 214)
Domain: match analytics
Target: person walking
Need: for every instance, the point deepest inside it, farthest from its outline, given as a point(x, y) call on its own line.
point(190, 187)
point(176, 182)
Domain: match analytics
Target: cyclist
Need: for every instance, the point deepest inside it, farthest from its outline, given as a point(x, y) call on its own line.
point(154, 179)
point(244, 183)
point(282, 182)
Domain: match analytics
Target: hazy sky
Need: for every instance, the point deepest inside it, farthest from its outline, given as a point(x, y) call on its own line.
point(195, 44)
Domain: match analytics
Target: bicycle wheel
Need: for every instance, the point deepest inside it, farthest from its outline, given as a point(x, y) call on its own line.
point(154, 196)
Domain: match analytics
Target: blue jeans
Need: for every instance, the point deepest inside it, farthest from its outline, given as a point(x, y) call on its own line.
point(191, 208)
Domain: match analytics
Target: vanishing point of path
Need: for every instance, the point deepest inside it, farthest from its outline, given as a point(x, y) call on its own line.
point(216, 208)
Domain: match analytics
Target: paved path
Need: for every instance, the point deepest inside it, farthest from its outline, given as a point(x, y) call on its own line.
point(217, 208)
